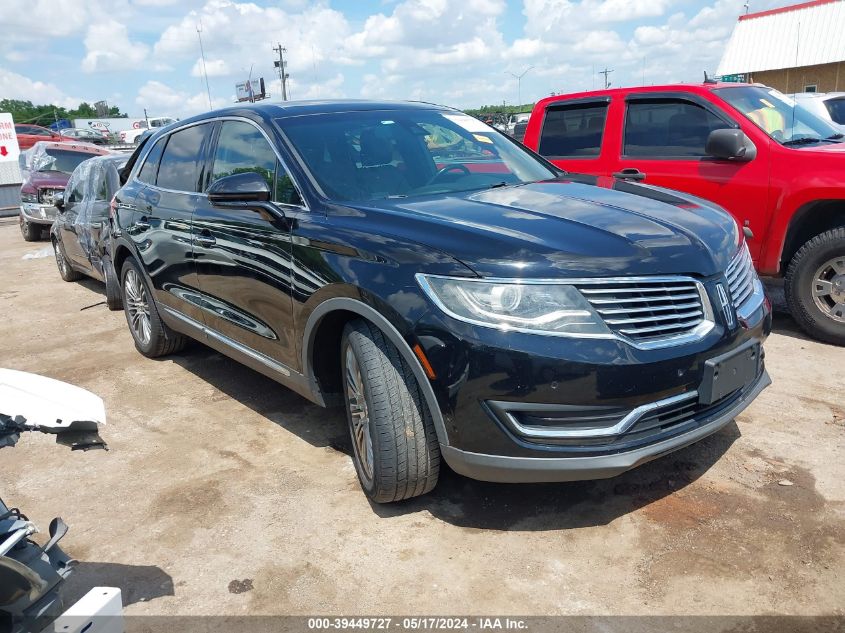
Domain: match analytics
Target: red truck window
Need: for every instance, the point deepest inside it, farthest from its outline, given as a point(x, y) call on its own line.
point(573, 130)
point(668, 128)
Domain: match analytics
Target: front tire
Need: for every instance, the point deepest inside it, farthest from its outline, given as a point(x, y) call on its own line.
point(815, 286)
point(395, 449)
point(31, 232)
point(153, 338)
point(65, 269)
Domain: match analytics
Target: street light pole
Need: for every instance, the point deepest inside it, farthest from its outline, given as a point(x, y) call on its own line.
point(519, 82)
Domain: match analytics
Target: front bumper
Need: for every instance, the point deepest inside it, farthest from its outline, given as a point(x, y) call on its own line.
point(501, 468)
point(512, 403)
point(37, 213)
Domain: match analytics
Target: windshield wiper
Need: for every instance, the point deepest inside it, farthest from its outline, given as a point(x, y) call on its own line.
point(804, 140)
point(835, 137)
point(499, 184)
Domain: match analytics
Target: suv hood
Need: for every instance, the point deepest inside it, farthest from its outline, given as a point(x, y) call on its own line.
point(569, 227)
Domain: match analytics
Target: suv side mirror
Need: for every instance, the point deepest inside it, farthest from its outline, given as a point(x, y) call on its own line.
point(730, 144)
point(59, 201)
point(246, 187)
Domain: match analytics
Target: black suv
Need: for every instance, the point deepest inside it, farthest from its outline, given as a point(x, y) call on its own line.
point(463, 297)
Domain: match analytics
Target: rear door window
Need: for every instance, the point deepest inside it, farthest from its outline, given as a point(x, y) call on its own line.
point(573, 130)
point(182, 164)
point(668, 128)
point(149, 170)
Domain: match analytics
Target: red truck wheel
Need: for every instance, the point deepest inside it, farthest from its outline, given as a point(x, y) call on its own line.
point(815, 286)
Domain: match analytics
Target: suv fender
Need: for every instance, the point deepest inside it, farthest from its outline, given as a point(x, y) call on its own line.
point(346, 304)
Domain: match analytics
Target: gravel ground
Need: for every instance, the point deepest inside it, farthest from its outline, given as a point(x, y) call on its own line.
point(225, 494)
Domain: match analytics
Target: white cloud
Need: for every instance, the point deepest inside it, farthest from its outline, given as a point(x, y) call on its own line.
point(159, 99)
point(32, 19)
point(213, 68)
point(624, 10)
point(109, 48)
point(15, 86)
point(525, 48)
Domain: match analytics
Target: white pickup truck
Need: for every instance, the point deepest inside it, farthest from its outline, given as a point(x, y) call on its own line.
point(131, 136)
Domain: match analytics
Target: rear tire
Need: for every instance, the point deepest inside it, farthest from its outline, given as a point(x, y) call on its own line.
point(815, 287)
point(153, 338)
point(395, 449)
point(31, 232)
point(65, 269)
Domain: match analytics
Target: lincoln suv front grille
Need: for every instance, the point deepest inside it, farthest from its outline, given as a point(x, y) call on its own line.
point(645, 309)
point(741, 278)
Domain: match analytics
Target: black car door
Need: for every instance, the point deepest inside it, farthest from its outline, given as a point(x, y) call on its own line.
point(161, 226)
point(243, 255)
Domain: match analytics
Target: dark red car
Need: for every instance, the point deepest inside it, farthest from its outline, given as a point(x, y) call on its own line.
point(46, 168)
point(777, 168)
point(29, 135)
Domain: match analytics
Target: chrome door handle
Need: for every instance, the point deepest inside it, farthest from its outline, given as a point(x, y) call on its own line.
point(142, 224)
point(206, 240)
point(629, 173)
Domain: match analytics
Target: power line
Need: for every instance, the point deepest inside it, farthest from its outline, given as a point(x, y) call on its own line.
point(281, 66)
point(606, 72)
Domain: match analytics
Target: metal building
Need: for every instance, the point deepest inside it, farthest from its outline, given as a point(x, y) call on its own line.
point(799, 48)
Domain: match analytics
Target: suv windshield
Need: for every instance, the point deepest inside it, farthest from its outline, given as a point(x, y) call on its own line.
point(372, 155)
point(778, 115)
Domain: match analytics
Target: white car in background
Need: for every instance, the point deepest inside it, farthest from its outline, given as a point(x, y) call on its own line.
point(131, 136)
point(521, 117)
point(829, 106)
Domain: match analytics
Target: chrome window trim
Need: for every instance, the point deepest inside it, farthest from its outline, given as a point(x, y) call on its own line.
point(630, 419)
point(228, 117)
point(700, 331)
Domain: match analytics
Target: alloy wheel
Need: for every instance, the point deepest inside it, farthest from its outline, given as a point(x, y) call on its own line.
point(61, 262)
point(829, 289)
point(137, 307)
point(359, 418)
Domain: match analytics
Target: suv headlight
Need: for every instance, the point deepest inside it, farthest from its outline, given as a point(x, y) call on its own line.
point(27, 196)
point(542, 308)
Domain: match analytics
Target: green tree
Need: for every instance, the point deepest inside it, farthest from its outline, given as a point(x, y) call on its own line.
point(500, 109)
point(27, 112)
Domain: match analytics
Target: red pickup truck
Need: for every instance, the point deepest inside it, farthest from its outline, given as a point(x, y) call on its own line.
point(779, 169)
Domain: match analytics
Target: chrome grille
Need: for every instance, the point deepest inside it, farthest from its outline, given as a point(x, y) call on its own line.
point(741, 277)
point(48, 195)
point(647, 309)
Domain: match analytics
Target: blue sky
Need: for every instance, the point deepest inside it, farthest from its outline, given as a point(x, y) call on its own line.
point(145, 53)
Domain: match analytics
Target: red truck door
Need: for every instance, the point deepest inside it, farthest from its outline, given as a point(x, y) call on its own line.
point(663, 140)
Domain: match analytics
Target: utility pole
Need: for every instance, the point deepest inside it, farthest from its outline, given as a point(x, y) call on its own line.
point(519, 84)
point(281, 66)
point(606, 72)
point(205, 74)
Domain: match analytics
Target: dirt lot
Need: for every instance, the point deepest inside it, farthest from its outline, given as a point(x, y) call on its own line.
point(224, 493)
